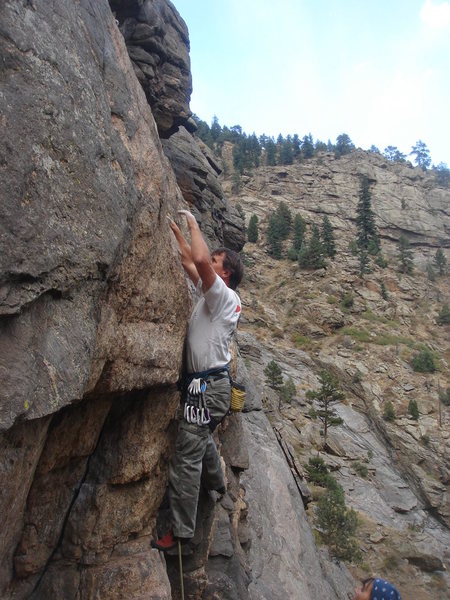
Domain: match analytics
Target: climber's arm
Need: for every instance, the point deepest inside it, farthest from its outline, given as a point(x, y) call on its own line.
point(200, 254)
point(186, 253)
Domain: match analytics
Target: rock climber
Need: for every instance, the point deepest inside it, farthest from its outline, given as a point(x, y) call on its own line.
point(376, 589)
point(207, 386)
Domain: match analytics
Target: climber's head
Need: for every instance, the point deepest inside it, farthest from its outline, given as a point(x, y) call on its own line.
point(228, 265)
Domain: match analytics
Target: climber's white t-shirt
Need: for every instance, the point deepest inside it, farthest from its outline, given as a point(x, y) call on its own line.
point(211, 327)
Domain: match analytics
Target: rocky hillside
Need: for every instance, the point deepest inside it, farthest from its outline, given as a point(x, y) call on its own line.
point(395, 474)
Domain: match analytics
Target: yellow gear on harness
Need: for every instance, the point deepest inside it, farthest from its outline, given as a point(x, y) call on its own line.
point(237, 396)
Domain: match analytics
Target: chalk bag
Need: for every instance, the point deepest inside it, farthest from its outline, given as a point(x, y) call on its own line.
point(237, 396)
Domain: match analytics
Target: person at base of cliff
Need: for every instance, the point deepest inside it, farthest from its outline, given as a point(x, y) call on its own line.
point(208, 391)
point(376, 589)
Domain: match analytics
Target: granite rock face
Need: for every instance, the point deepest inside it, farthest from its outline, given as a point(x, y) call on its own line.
point(83, 253)
point(406, 201)
point(94, 307)
point(283, 557)
point(158, 44)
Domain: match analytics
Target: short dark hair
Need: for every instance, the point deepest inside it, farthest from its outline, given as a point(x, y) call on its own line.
point(232, 262)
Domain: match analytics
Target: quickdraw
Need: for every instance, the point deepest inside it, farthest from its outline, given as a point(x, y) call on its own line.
point(195, 408)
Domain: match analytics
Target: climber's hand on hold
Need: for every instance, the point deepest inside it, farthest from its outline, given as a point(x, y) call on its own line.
point(173, 226)
point(190, 219)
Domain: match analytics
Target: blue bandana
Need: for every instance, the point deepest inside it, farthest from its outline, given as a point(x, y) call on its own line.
point(383, 590)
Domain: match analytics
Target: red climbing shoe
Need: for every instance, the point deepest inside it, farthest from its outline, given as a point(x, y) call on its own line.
point(165, 543)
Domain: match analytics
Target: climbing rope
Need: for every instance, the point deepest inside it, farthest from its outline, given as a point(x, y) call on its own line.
point(180, 563)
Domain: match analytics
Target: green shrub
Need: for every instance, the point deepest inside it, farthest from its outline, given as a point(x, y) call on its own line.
point(253, 230)
point(360, 335)
point(288, 390)
point(301, 341)
point(338, 524)
point(388, 339)
point(361, 469)
point(347, 300)
point(413, 409)
point(381, 262)
point(423, 362)
point(353, 247)
point(317, 470)
point(357, 377)
point(444, 316)
point(292, 254)
point(389, 412)
point(273, 373)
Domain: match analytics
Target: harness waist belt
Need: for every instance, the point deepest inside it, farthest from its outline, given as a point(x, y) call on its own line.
point(216, 374)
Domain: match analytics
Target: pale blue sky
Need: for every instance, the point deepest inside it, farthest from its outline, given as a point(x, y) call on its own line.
point(378, 70)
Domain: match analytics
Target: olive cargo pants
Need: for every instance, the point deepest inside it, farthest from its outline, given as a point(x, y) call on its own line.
point(196, 459)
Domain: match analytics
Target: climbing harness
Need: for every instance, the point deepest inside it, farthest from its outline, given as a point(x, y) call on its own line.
point(180, 564)
point(195, 409)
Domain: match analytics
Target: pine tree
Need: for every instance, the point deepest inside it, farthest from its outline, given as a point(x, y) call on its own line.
point(307, 146)
point(299, 231)
point(238, 158)
point(216, 129)
point(286, 153)
point(273, 237)
point(271, 153)
point(253, 232)
point(444, 315)
point(431, 274)
point(204, 132)
point(363, 263)
point(288, 390)
point(236, 182)
point(292, 254)
point(304, 256)
point(423, 158)
point(367, 236)
point(274, 376)
point(394, 154)
point(296, 145)
point(405, 256)
point(384, 293)
point(413, 409)
point(319, 147)
point(328, 238)
point(284, 217)
point(440, 262)
point(423, 361)
point(328, 394)
point(389, 412)
point(344, 145)
point(316, 251)
point(442, 174)
point(337, 523)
